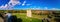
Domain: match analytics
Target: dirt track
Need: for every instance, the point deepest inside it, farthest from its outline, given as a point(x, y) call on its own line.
point(1, 20)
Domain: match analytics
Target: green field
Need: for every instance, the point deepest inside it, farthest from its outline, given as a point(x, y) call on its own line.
point(24, 18)
point(36, 17)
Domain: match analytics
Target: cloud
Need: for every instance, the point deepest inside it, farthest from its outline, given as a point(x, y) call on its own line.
point(51, 8)
point(14, 2)
point(54, 9)
point(36, 8)
point(23, 3)
point(10, 5)
point(28, 4)
point(45, 8)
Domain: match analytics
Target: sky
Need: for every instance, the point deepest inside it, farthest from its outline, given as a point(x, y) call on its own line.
point(30, 4)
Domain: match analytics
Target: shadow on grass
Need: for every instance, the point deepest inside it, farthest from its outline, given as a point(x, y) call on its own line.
point(19, 20)
point(15, 19)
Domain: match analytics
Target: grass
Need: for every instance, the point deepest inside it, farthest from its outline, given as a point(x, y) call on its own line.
point(26, 19)
point(39, 16)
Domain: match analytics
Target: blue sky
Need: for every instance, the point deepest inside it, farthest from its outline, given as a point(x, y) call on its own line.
point(34, 4)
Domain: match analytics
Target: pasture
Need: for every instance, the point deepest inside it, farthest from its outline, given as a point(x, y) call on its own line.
point(34, 18)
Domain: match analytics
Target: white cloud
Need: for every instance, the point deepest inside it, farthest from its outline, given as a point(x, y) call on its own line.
point(23, 3)
point(14, 2)
point(28, 4)
point(1, 6)
point(10, 4)
point(45, 8)
point(36, 8)
point(54, 9)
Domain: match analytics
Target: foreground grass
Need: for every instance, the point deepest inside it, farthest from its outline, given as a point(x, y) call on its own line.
point(25, 18)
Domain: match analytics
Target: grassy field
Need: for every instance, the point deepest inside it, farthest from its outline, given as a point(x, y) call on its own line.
point(34, 18)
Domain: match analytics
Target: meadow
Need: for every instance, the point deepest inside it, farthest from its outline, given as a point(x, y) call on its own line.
point(37, 15)
point(34, 18)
